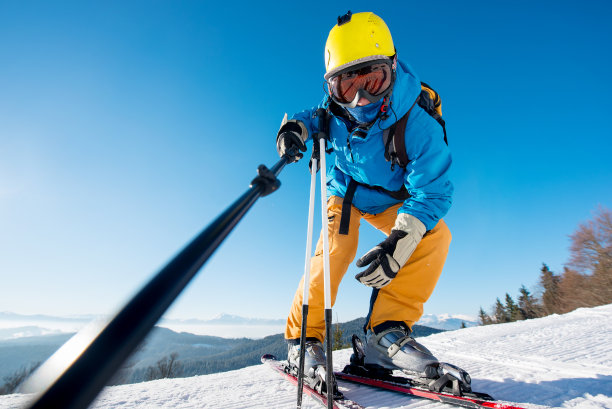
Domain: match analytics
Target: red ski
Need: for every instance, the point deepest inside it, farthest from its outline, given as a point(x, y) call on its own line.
point(409, 389)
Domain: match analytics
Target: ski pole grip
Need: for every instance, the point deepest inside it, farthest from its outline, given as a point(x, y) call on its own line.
point(321, 114)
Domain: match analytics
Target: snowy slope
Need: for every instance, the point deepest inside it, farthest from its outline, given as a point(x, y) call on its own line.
point(557, 361)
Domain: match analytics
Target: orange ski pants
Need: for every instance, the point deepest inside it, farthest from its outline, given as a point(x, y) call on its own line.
point(401, 300)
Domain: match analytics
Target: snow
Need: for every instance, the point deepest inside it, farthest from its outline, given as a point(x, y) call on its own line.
point(560, 361)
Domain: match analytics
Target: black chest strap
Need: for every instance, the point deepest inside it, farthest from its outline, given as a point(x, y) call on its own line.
point(347, 202)
point(345, 219)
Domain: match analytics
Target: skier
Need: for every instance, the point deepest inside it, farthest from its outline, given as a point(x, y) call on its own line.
point(369, 90)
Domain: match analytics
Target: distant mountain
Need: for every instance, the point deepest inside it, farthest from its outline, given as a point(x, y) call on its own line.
point(356, 327)
point(26, 331)
point(221, 319)
point(196, 354)
point(24, 352)
point(11, 316)
point(15, 325)
point(439, 321)
point(447, 322)
point(226, 319)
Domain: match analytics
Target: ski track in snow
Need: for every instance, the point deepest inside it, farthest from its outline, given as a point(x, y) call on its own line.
point(560, 361)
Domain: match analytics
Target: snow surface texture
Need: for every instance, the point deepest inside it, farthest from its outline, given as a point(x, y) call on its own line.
point(557, 361)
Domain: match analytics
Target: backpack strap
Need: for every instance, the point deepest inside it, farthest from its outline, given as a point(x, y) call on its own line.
point(394, 136)
point(395, 142)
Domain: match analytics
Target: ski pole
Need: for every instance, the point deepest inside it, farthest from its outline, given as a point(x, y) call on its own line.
point(326, 284)
point(306, 284)
point(322, 135)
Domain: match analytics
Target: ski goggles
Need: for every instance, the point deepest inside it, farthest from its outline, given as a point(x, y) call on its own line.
point(371, 80)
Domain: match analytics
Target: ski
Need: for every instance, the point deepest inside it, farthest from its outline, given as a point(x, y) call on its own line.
point(407, 386)
point(283, 369)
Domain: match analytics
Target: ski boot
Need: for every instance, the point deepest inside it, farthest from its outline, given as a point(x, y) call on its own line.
point(314, 370)
point(394, 349)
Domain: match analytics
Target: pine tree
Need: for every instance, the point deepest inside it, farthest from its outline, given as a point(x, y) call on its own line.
point(500, 312)
point(551, 297)
point(337, 343)
point(483, 318)
point(528, 304)
point(512, 310)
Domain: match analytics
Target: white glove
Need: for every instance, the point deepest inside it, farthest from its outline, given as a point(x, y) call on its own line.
point(386, 259)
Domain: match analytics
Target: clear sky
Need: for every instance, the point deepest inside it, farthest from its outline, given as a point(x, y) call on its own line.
point(126, 127)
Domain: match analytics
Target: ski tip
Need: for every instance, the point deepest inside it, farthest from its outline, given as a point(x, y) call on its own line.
point(267, 357)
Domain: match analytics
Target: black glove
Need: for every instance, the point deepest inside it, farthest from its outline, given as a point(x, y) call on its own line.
point(291, 139)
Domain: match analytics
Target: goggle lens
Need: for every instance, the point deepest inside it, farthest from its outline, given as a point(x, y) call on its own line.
point(374, 79)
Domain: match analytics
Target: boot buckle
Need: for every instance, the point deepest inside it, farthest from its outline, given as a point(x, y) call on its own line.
point(397, 346)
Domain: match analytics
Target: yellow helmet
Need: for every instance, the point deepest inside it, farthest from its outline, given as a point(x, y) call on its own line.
point(357, 38)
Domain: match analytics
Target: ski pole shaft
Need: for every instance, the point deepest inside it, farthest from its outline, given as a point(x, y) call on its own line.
point(327, 293)
point(322, 115)
point(72, 378)
point(326, 273)
point(306, 283)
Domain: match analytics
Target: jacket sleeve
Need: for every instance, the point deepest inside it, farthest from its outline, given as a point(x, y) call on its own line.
point(305, 117)
point(308, 119)
point(427, 174)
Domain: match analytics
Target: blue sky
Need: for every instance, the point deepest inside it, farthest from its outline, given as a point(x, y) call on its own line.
point(126, 127)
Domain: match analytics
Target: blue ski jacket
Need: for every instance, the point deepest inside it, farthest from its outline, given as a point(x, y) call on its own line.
point(362, 158)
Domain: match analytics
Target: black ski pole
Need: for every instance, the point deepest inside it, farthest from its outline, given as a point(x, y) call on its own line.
point(73, 377)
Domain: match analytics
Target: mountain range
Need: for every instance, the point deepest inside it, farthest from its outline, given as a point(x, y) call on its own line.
point(448, 322)
point(559, 361)
point(14, 325)
point(196, 354)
